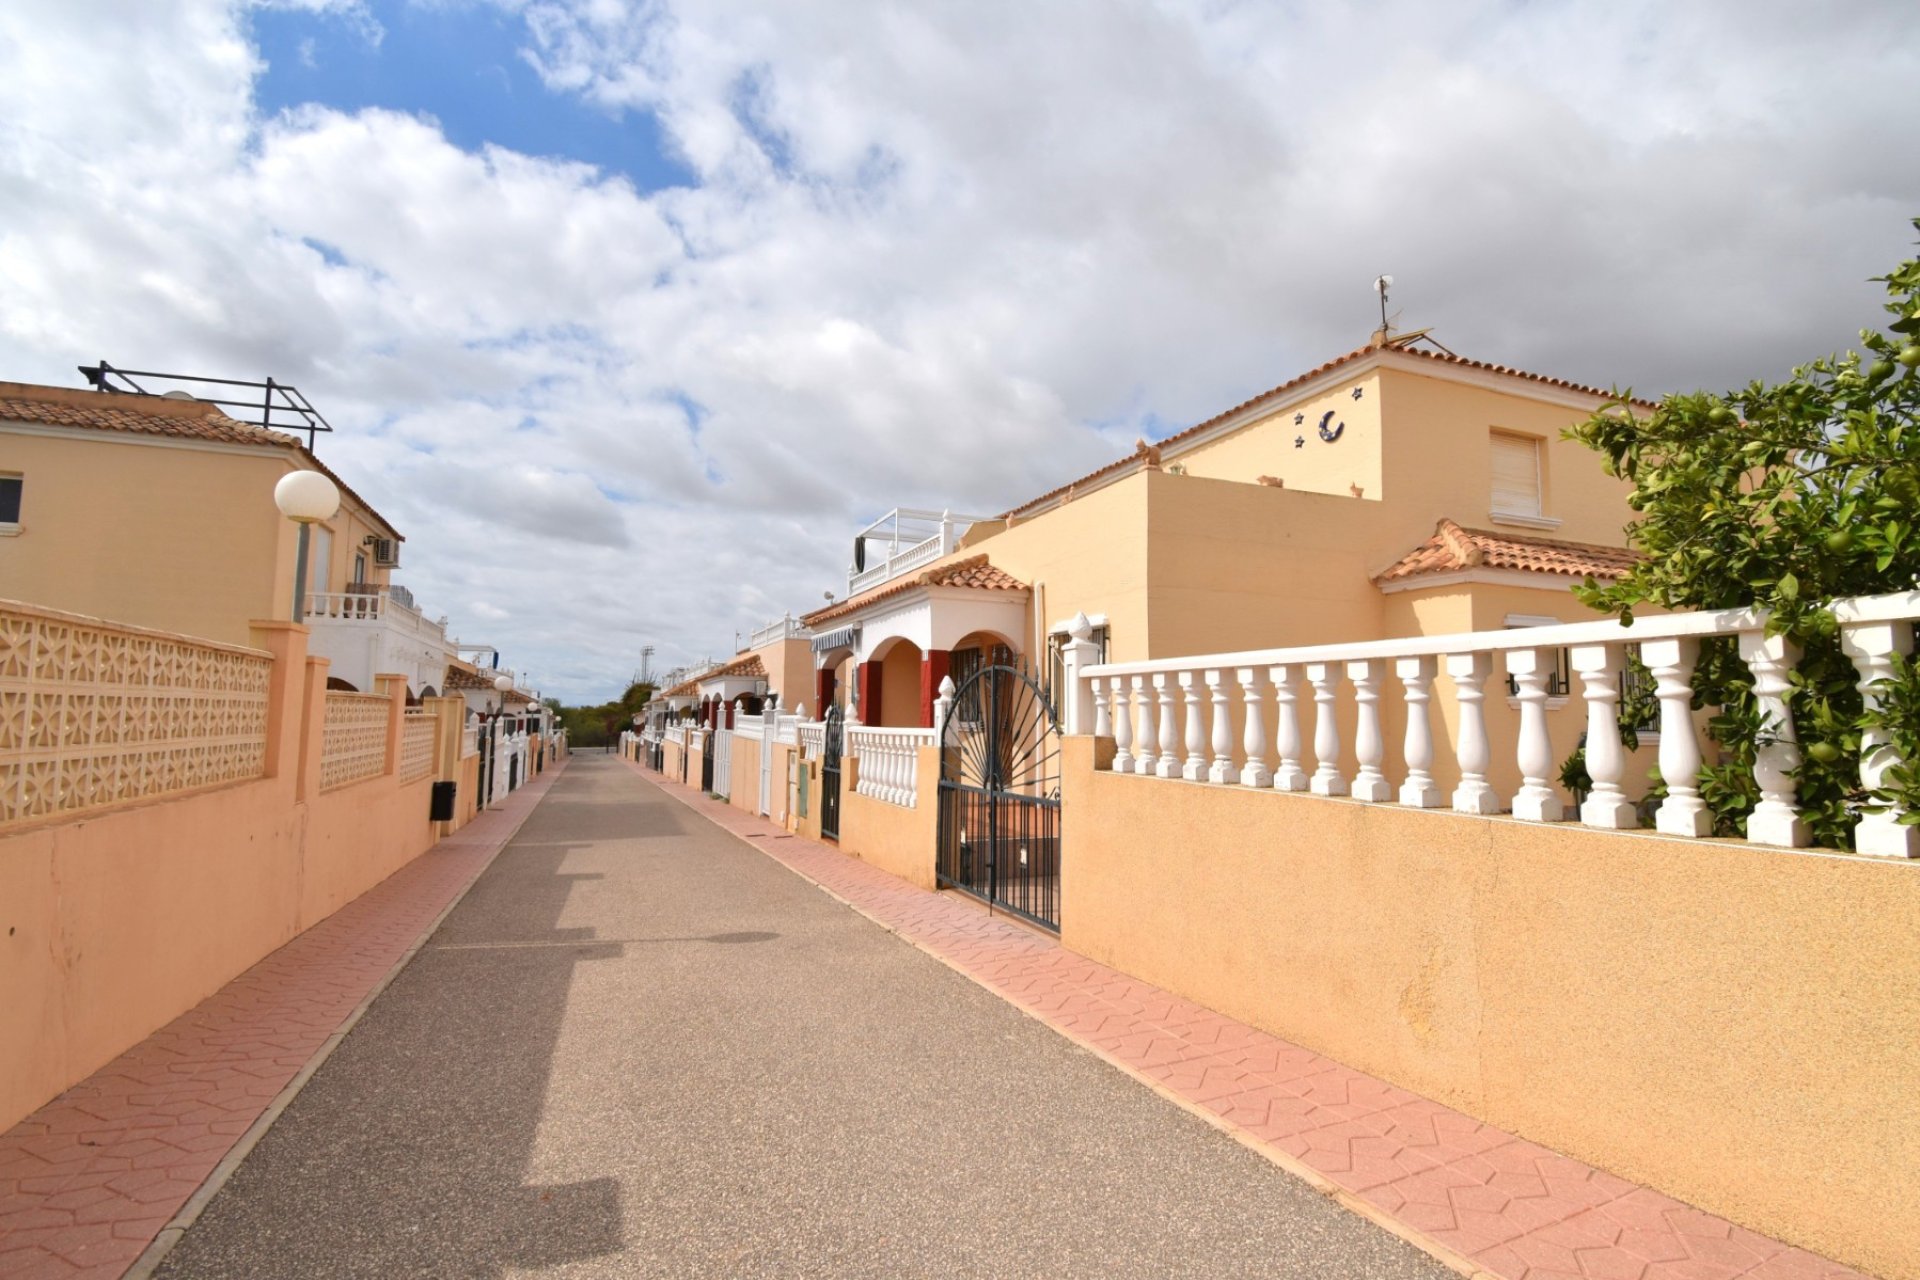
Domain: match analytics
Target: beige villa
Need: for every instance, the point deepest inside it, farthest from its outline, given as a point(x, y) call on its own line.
point(1394, 491)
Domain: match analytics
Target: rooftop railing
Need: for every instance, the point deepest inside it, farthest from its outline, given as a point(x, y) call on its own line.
point(903, 540)
point(786, 628)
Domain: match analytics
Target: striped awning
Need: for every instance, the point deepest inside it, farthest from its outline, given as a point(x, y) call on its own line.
point(844, 638)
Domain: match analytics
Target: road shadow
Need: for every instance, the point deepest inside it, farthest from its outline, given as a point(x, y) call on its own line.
point(409, 1151)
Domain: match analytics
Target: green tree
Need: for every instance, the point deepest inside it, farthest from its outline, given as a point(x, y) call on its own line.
point(1784, 496)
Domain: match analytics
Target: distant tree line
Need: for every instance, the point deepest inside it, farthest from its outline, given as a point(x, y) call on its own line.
point(595, 726)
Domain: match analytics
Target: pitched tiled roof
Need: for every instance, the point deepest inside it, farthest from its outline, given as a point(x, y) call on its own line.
point(1452, 548)
point(973, 572)
point(1280, 392)
point(747, 668)
point(156, 416)
point(462, 676)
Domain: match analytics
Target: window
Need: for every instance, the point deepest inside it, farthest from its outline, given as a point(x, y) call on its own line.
point(1560, 675)
point(10, 487)
point(1516, 476)
point(360, 567)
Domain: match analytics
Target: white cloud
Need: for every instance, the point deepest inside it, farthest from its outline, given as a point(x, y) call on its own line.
point(944, 255)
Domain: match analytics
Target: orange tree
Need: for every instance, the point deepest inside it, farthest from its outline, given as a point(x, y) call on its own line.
point(1788, 497)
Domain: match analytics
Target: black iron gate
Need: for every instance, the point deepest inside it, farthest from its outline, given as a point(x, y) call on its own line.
point(1000, 795)
point(706, 760)
point(832, 738)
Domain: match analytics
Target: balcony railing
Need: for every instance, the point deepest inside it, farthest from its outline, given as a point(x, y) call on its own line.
point(903, 540)
point(787, 628)
point(1175, 718)
point(391, 607)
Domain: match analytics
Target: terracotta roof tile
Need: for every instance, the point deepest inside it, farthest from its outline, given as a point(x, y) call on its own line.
point(749, 667)
point(1289, 385)
point(461, 676)
point(156, 416)
point(1452, 548)
point(973, 572)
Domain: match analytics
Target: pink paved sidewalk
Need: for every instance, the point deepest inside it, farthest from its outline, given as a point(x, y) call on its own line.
point(91, 1179)
point(1481, 1200)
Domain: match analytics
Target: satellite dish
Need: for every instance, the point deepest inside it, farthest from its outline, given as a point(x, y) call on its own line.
point(1382, 283)
point(178, 395)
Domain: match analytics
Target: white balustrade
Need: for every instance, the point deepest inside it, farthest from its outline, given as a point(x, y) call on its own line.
point(1606, 805)
point(1168, 763)
point(1327, 779)
point(1369, 748)
point(1195, 767)
point(1289, 776)
point(1872, 648)
point(1139, 703)
point(1537, 801)
point(1419, 791)
point(1776, 819)
point(1683, 812)
point(889, 768)
point(1143, 734)
point(1254, 773)
point(1220, 772)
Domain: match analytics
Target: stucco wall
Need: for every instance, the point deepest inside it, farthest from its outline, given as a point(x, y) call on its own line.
point(900, 841)
point(159, 533)
point(1724, 1022)
point(1266, 448)
point(119, 921)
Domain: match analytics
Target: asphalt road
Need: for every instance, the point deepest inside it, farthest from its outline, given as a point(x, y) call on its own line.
point(641, 1048)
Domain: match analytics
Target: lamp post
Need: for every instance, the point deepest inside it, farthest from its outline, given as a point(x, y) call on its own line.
point(304, 497)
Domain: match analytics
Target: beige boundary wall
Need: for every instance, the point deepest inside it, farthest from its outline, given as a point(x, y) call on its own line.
point(898, 840)
point(1735, 1025)
point(117, 920)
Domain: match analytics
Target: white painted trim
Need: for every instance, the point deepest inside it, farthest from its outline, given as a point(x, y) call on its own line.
point(1531, 620)
point(1524, 522)
point(1480, 576)
point(10, 530)
point(1514, 384)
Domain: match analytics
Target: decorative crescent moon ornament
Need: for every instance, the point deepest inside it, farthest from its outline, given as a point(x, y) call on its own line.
point(1333, 433)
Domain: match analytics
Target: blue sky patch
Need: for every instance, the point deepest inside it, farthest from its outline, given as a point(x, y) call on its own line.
point(461, 64)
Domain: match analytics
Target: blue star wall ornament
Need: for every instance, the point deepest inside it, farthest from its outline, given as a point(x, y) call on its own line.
point(1330, 434)
point(1299, 442)
point(1358, 392)
point(1299, 418)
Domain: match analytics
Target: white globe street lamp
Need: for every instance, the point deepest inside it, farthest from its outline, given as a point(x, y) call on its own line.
point(304, 497)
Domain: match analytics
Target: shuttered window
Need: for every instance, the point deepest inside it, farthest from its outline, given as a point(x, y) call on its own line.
point(1516, 475)
point(10, 489)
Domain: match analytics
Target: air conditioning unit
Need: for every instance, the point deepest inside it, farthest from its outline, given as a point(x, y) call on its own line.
point(386, 553)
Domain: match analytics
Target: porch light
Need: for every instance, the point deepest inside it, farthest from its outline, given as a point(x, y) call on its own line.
point(304, 497)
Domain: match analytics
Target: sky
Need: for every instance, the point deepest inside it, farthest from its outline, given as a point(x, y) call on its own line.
point(630, 313)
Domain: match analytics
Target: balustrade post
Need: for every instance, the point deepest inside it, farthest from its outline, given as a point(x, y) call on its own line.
point(1327, 780)
point(1288, 775)
point(942, 710)
point(1220, 772)
point(1195, 767)
point(1078, 653)
point(1122, 727)
point(1369, 747)
point(1469, 672)
point(1168, 763)
point(1143, 760)
point(1776, 819)
point(1537, 800)
point(1871, 647)
point(1683, 812)
point(1102, 721)
point(1254, 773)
point(1419, 791)
point(1606, 805)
